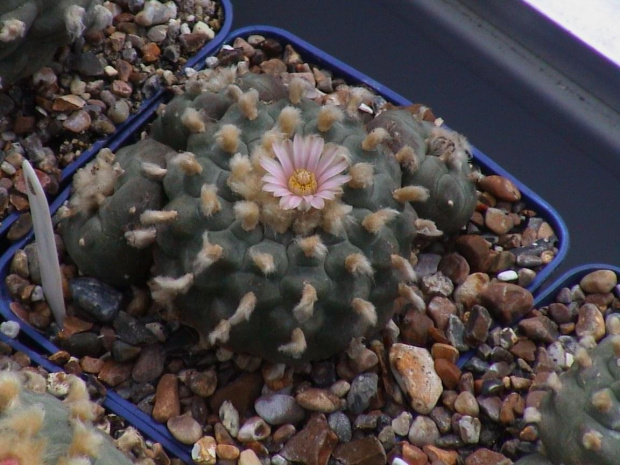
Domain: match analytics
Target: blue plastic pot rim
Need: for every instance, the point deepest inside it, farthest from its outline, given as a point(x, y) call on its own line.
point(569, 279)
point(148, 107)
point(113, 402)
point(315, 56)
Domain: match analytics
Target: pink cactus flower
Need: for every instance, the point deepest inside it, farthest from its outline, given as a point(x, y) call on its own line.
point(305, 174)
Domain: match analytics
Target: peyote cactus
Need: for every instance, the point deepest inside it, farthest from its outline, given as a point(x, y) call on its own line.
point(283, 227)
point(579, 418)
point(38, 428)
point(32, 30)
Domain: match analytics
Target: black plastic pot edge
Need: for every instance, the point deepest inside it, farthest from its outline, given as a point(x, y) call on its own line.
point(316, 56)
point(112, 401)
point(147, 108)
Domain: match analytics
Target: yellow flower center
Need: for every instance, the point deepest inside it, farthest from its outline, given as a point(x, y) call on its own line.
point(302, 182)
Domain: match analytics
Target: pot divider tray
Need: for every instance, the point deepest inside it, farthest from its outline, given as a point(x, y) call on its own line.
point(315, 56)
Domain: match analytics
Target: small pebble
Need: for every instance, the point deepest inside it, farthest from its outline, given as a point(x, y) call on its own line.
point(10, 329)
point(185, 429)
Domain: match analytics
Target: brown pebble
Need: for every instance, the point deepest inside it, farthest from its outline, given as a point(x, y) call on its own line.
point(500, 187)
point(150, 364)
point(184, 428)
point(524, 349)
point(498, 221)
point(455, 267)
point(539, 329)
point(68, 103)
point(24, 124)
point(242, 392)
point(448, 372)
point(318, 400)
point(91, 365)
point(434, 453)
point(121, 88)
point(167, 404)
point(466, 404)
point(114, 373)
point(445, 351)
point(507, 301)
point(192, 41)
point(599, 281)
point(312, 445)
point(73, 325)
point(476, 250)
point(487, 457)
point(364, 451)
point(150, 52)
point(468, 293)
point(590, 322)
point(440, 309)
point(227, 451)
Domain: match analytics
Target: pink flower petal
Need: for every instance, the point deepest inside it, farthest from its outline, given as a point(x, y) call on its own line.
point(317, 202)
point(284, 157)
point(335, 182)
point(277, 191)
point(288, 203)
point(298, 151)
point(327, 158)
point(271, 179)
point(272, 167)
point(327, 194)
point(331, 172)
point(315, 149)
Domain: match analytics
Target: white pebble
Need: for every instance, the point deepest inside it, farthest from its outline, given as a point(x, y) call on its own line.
point(508, 275)
point(398, 461)
point(110, 71)
point(37, 294)
point(203, 28)
point(10, 328)
point(211, 62)
point(7, 168)
point(57, 384)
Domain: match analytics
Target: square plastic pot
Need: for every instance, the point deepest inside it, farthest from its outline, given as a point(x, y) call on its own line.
point(315, 56)
point(126, 131)
point(112, 402)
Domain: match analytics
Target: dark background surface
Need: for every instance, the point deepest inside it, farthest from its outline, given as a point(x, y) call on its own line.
point(561, 144)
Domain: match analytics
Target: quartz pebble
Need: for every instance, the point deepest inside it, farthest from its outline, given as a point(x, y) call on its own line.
point(414, 370)
point(279, 409)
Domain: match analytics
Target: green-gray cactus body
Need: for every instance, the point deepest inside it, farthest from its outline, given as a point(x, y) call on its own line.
point(580, 416)
point(32, 30)
point(286, 284)
point(39, 428)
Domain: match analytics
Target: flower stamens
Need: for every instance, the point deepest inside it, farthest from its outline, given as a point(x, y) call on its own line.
point(302, 182)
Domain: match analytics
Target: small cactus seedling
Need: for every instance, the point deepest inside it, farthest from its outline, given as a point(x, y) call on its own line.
point(579, 418)
point(38, 428)
point(275, 224)
point(32, 30)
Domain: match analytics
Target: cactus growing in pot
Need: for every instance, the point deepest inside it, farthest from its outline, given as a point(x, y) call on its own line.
point(38, 428)
point(277, 225)
point(578, 419)
point(32, 30)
